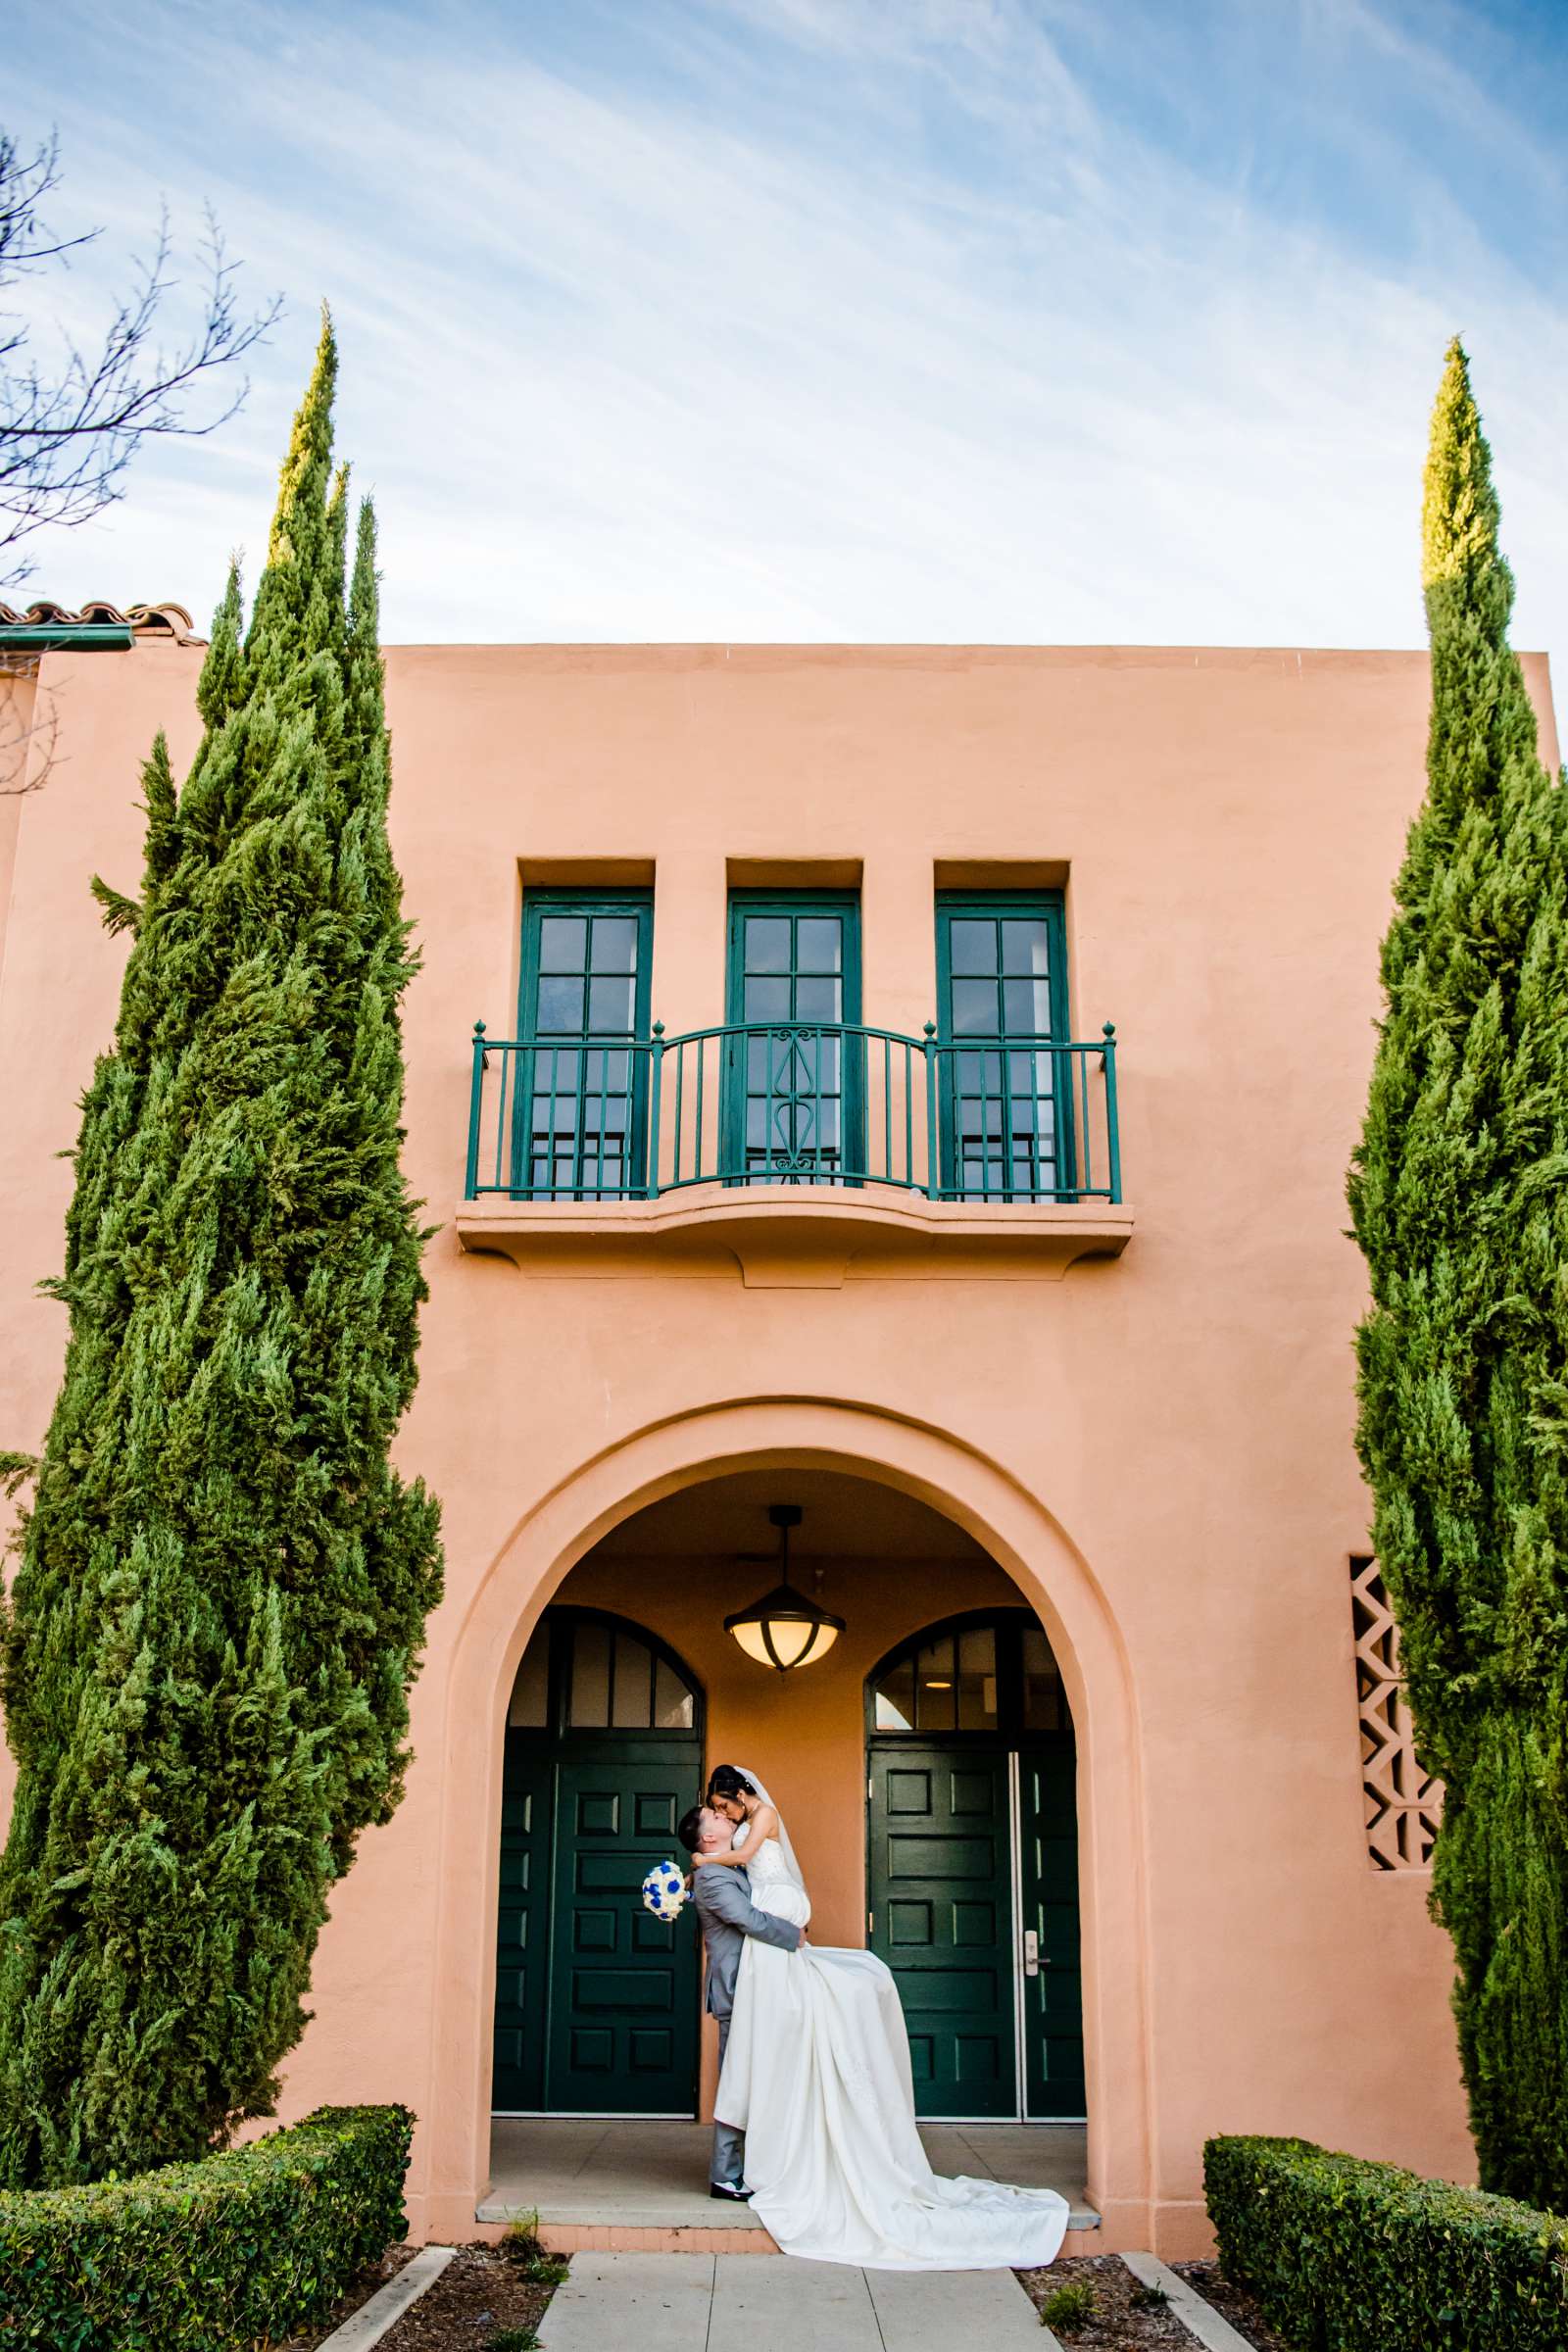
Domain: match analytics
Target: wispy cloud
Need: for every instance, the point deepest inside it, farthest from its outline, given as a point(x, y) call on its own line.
point(853, 318)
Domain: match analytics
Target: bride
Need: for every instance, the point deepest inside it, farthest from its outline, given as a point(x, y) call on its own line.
point(816, 2075)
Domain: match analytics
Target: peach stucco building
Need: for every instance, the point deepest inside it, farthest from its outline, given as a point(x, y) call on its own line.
point(1106, 1759)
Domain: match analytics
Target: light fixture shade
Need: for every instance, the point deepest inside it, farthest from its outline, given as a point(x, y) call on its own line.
point(784, 1628)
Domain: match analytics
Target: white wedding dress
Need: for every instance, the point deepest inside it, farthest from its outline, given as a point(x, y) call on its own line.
point(816, 2075)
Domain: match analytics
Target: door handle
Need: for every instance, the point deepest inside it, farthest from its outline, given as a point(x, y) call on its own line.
point(1031, 1952)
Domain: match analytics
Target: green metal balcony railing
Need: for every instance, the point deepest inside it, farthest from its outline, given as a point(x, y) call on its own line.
point(767, 1103)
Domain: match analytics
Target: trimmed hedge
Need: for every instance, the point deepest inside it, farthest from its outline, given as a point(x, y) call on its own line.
point(1347, 2256)
point(239, 2248)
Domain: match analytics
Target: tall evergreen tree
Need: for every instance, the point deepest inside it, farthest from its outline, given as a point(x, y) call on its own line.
point(223, 1586)
point(1460, 1194)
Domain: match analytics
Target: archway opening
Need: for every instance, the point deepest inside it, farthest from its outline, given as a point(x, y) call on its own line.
point(597, 2004)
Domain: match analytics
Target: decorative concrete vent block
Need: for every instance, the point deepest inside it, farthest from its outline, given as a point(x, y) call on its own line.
point(1404, 1803)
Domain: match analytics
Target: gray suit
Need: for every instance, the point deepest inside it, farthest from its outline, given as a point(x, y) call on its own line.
point(723, 1900)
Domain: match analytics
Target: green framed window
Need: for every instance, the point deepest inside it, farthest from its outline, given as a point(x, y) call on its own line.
point(1006, 1086)
point(795, 1089)
point(580, 1117)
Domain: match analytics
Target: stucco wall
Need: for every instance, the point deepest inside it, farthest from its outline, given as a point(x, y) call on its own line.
point(19, 762)
point(1157, 1449)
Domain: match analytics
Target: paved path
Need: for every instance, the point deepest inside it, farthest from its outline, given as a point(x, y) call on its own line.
point(747, 2303)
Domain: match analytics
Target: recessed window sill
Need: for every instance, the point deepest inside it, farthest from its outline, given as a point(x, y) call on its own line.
point(796, 1238)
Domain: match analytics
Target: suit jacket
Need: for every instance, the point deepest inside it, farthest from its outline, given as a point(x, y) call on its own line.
point(723, 1900)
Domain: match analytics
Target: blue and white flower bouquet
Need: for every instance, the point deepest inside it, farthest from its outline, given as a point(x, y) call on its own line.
point(664, 1890)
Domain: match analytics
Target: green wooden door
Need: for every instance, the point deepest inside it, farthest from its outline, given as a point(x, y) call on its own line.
point(1001, 999)
point(624, 2007)
point(523, 1942)
point(580, 1108)
point(597, 2009)
point(942, 1919)
point(794, 1085)
point(973, 1864)
point(1053, 1980)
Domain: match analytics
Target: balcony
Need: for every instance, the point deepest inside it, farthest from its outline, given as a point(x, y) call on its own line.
point(806, 1156)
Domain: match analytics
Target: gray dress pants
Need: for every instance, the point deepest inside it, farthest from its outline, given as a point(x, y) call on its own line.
point(728, 2168)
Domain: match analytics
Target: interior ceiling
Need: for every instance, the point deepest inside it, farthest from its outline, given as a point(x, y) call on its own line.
point(845, 1518)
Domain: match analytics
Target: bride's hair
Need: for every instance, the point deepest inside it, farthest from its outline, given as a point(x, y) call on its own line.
point(725, 1780)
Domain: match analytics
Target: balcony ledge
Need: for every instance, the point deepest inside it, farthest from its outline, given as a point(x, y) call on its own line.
point(797, 1239)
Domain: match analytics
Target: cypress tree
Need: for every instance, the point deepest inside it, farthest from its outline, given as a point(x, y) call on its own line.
point(1459, 1196)
point(222, 1584)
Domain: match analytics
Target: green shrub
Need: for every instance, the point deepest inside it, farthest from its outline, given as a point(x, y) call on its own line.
point(1069, 2307)
point(1347, 2256)
point(200, 2257)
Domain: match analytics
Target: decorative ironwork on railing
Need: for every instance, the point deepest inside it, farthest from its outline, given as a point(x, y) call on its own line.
point(769, 1104)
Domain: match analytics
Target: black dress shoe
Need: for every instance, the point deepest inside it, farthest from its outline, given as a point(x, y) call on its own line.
point(728, 2195)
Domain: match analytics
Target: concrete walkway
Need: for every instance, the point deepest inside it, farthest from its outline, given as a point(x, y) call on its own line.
point(733, 2303)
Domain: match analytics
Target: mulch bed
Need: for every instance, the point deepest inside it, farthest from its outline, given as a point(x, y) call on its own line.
point(362, 2288)
point(481, 2291)
point(1119, 2324)
point(1233, 2303)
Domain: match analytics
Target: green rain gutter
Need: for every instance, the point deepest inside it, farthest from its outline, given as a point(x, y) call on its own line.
point(89, 637)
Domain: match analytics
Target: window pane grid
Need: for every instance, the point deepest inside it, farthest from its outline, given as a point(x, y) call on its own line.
point(1002, 1132)
point(581, 1115)
point(1000, 1679)
point(609, 1678)
point(792, 1113)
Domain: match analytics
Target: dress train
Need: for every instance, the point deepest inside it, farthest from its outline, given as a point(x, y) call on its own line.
point(816, 2074)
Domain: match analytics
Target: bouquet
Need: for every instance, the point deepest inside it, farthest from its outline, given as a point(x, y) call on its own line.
point(664, 1890)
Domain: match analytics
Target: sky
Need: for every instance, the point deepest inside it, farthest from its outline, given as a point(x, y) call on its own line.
point(1072, 321)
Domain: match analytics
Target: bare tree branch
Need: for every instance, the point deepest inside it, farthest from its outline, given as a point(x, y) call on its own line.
point(28, 745)
point(69, 433)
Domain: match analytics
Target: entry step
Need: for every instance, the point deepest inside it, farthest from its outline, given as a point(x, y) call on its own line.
point(585, 2176)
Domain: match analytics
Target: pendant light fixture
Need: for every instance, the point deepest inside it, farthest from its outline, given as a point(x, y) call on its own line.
point(784, 1628)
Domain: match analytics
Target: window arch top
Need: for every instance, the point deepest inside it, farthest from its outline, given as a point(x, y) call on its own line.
point(986, 1675)
point(587, 1671)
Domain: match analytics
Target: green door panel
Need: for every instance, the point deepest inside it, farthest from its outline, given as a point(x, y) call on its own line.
point(621, 2031)
point(795, 1085)
point(941, 1910)
point(596, 2001)
point(580, 1108)
point(1053, 2033)
point(957, 1719)
point(521, 1939)
point(1006, 1101)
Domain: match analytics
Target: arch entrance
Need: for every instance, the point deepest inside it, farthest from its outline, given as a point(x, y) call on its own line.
point(562, 1535)
point(596, 2001)
point(973, 1866)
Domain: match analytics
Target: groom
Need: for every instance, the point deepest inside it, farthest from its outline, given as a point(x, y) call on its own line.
point(728, 1915)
